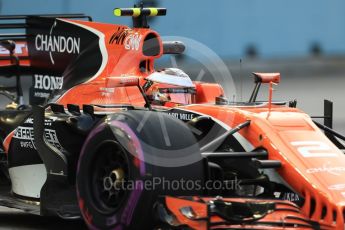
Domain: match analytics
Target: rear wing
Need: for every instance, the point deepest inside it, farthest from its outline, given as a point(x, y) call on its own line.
point(16, 32)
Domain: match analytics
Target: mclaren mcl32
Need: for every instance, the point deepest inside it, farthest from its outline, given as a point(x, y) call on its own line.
point(110, 139)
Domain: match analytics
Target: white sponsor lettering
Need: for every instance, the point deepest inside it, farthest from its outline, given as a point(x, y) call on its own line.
point(293, 197)
point(182, 116)
point(107, 91)
point(29, 121)
point(26, 135)
point(277, 194)
point(27, 144)
point(314, 149)
point(327, 168)
point(59, 44)
point(132, 41)
point(337, 187)
point(47, 122)
point(41, 94)
point(48, 82)
point(287, 196)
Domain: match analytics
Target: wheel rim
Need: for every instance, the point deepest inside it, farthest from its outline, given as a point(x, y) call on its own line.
point(109, 174)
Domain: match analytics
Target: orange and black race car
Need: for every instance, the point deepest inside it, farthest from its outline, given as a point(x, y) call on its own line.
point(110, 139)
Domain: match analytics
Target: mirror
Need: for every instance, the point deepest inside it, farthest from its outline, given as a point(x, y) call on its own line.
point(173, 47)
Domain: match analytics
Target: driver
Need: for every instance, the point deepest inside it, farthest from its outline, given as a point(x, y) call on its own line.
point(170, 85)
point(158, 97)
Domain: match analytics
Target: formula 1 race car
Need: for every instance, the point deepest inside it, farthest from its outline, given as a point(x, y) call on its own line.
point(108, 138)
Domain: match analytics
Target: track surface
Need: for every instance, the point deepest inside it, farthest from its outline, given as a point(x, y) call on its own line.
point(14, 219)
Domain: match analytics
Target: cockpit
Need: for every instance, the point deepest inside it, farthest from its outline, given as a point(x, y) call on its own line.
point(169, 86)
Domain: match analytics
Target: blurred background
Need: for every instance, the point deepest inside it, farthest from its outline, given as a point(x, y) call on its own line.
point(303, 40)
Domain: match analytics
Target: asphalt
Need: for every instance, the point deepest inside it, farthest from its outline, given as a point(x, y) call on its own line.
point(12, 219)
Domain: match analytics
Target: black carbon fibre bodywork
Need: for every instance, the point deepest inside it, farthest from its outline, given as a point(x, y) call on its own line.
point(56, 67)
point(63, 131)
point(55, 140)
point(10, 119)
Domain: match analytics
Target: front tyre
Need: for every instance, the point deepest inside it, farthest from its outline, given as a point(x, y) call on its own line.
point(117, 187)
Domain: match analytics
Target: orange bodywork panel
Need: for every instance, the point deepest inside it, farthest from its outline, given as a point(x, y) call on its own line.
point(290, 136)
point(207, 92)
point(285, 215)
point(118, 61)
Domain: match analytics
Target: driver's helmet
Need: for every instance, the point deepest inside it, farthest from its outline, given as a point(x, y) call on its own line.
point(170, 85)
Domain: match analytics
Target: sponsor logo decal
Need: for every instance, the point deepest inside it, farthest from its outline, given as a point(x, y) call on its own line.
point(47, 122)
point(123, 36)
point(57, 43)
point(337, 187)
point(119, 36)
point(293, 197)
point(290, 196)
point(132, 42)
point(26, 137)
point(182, 116)
point(314, 149)
point(107, 91)
point(41, 94)
point(47, 82)
point(327, 168)
point(177, 90)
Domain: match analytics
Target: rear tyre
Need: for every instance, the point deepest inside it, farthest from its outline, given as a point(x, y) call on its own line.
point(117, 187)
